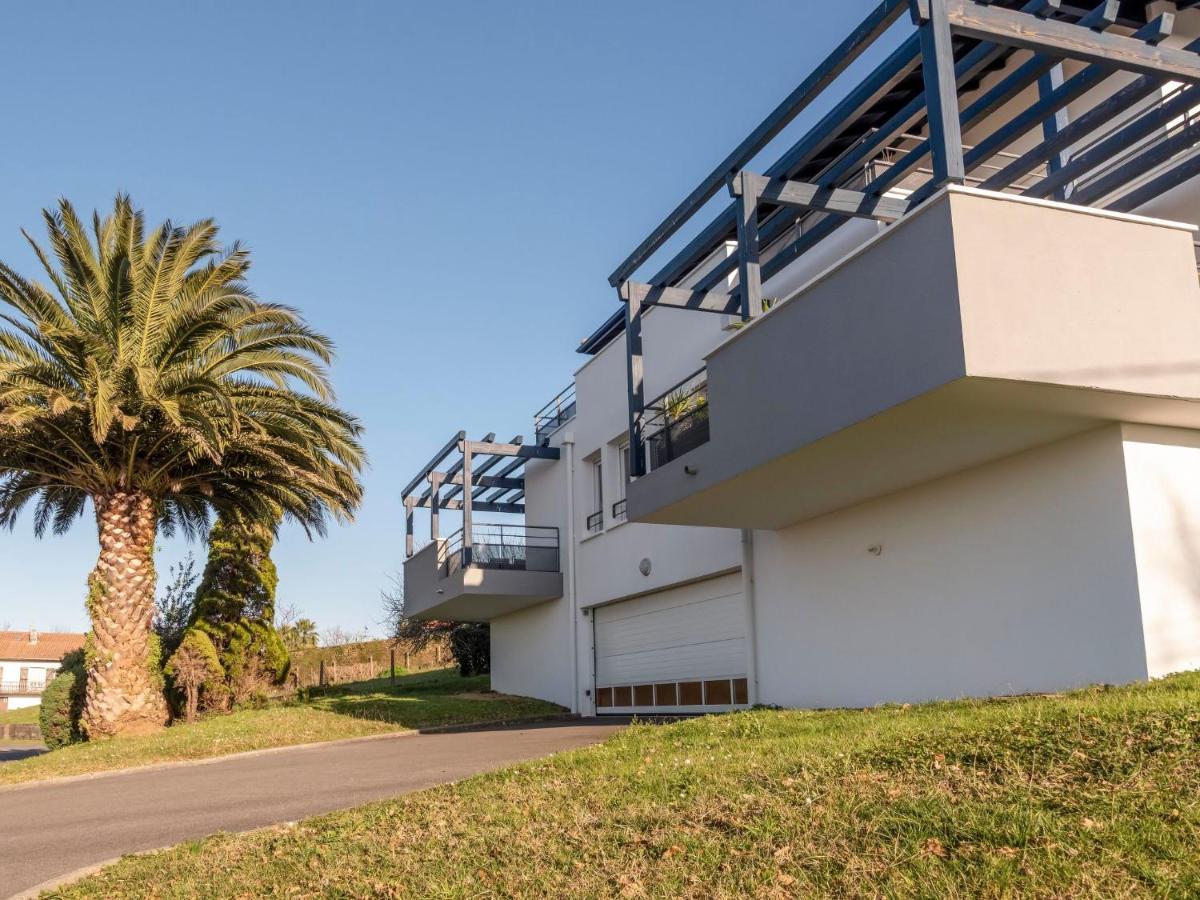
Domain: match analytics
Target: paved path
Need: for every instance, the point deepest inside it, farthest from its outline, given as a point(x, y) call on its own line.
point(67, 826)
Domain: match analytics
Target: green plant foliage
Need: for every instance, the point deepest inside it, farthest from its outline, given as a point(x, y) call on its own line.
point(142, 364)
point(235, 609)
point(471, 645)
point(192, 667)
point(62, 703)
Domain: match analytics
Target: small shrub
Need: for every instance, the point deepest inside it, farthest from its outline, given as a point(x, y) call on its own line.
point(191, 667)
point(471, 646)
point(62, 703)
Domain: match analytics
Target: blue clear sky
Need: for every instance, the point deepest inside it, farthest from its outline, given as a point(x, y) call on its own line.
point(443, 187)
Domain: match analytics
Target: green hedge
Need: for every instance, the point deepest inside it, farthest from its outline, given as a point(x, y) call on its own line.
point(62, 703)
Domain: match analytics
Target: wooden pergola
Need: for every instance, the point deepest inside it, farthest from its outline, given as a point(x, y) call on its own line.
point(916, 105)
point(469, 483)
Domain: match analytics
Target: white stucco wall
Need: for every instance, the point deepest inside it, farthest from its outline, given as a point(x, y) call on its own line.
point(1016, 576)
point(1163, 471)
point(531, 652)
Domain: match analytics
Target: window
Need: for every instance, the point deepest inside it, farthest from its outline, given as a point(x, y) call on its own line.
point(595, 521)
point(618, 509)
point(622, 468)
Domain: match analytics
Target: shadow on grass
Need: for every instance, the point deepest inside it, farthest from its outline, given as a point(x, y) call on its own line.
point(427, 700)
point(12, 754)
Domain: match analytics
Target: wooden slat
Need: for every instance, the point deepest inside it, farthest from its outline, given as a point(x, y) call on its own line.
point(525, 451)
point(433, 463)
point(1140, 128)
point(680, 298)
point(490, 481)
point(803, 195)
point(1186, 170)
point(1049, 36)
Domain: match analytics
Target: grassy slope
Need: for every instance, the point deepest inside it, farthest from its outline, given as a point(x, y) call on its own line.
point(1095, 793)
point(353, 710)
point(26, 716)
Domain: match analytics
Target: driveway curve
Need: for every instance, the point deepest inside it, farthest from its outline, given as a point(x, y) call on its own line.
point(69, 825)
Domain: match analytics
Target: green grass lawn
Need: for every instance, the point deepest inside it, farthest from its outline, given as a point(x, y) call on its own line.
point(26, 716)
point(345, 711)
point(1094, 793)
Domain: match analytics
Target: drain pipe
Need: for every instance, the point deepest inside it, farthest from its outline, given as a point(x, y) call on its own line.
point(568, 442)
point(751, 630)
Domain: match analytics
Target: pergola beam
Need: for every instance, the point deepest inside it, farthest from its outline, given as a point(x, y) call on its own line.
point(971, 66)
point(433, 463)
point(1133, 169)
point(680, 298)
point(490, 481)
point(1069, 91)
point(1142, 126)
point(454, 469)
point(480, 506)
point(941, 89)
point(802, 195)
point(1049, 36)
point(487, 465)
point(523, 451)
point(899, 65)
point(842, 56)
point(1184, 171)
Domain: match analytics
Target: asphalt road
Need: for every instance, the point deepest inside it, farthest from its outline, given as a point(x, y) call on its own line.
point(60, 828)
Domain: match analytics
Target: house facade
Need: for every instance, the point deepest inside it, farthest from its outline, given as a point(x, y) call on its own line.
point(914, 417)
point(28, 660)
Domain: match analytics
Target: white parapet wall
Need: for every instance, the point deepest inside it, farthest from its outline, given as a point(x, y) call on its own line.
point(1016, 576)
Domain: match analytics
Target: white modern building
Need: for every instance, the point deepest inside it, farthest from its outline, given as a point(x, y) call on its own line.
point(28, 660)
point(916, 416)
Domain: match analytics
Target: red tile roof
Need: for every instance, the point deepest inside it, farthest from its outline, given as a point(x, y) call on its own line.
point(50, 646)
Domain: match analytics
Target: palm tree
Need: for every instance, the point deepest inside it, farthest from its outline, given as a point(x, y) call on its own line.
point(147, 379)
point(301, 634)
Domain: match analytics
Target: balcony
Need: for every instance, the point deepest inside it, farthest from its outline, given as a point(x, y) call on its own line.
point(677, 422)
point(21, 688)
point(503, 568)
point(977, 327)
point(554, 414)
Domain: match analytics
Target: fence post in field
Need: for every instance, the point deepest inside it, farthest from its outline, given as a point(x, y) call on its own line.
point(392, 661)
point(321, 675)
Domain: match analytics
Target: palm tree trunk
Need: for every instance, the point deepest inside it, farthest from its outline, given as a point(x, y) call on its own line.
point(124, 689)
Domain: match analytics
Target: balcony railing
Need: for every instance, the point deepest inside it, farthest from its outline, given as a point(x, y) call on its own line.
point(677, 422)
point(555, 414)
point(528, 548)
point(8, 688)
point(595, 522)
point(618, 510)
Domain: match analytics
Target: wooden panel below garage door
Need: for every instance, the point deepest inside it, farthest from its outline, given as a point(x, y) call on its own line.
point(677, 650)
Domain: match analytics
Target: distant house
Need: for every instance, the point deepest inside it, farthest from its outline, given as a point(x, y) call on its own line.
point(28, 660)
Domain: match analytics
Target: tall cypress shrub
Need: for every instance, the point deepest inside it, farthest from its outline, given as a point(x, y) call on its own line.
point(235, 609)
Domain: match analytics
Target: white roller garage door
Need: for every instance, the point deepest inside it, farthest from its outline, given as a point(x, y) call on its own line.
point(680, 650)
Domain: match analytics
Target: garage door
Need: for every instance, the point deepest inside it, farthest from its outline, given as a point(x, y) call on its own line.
point(680, 650)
